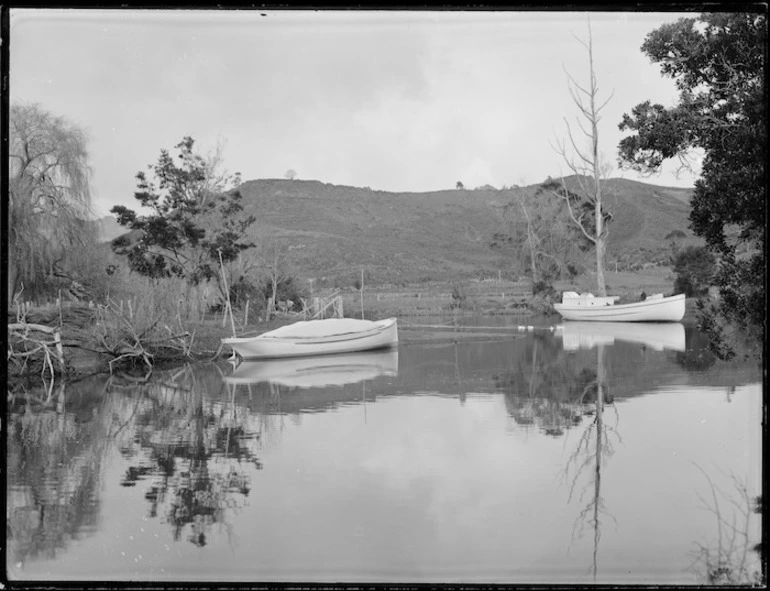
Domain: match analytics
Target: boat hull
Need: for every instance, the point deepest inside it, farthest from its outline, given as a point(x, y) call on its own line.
point(670, 309)
point(280, 343)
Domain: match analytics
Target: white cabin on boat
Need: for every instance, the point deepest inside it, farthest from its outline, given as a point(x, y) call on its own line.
point(587, 300)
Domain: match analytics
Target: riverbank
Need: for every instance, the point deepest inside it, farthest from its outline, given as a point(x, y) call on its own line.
point(93, 342)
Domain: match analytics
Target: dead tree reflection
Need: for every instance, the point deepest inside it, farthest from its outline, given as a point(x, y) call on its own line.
point(735, 556)
point(595, 445)
point(556, 392)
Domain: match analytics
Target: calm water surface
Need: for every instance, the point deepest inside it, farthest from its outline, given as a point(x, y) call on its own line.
point(573, 455)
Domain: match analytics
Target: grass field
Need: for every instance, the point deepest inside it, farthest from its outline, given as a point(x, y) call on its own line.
point(491, 296)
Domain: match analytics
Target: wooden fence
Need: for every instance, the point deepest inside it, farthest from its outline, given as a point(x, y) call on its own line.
point(316, 308)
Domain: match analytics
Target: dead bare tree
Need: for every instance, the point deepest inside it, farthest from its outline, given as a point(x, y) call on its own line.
point(586, 166)
point(543, 232)
point(275, 265)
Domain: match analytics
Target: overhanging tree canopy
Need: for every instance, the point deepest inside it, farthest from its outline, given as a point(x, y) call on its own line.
point(717, 61)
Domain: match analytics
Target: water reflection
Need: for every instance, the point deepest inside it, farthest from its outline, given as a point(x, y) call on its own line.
point(595, 446)
point(257, 469)
point(54, 462)
point(732, 556)
point(192, 452)
point(698, 356)
point(550, 388)
point(554, 390)
point(655, 335)
point(317, 372)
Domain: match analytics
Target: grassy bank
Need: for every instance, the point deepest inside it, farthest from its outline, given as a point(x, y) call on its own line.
point(147, 331)
point(491, 296)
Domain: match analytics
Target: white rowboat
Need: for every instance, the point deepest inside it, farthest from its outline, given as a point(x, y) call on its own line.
point(317, 337)
point(655, 308)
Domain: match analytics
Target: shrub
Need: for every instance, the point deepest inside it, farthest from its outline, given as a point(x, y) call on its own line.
point(459, 297)
point(543, 288)
point(242, 290)
point(288, 289)
point(694, 267)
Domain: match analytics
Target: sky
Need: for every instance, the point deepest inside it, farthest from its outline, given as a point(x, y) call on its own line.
point(395, 101)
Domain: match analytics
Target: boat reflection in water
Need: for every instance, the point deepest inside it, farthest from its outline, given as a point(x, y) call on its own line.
point(317, 371)
point(655, 335)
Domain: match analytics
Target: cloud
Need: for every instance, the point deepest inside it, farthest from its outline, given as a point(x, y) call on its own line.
point(393, 100)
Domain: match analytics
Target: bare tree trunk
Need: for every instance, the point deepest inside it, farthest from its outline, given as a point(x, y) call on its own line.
point(531, 242)
point(599, 214)
point(588, 164)
point(600, 267)
point(275, 287)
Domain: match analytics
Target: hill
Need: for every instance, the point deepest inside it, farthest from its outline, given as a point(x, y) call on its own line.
point(108, 228)
point(332, 232)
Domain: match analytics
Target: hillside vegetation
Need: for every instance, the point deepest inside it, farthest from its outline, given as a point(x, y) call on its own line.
point(331, 232)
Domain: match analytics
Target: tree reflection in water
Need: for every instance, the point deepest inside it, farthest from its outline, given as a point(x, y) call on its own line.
point(595, 446)
point(698, 355)
point(733, 557)
point(54, 459)
point(194, 452)
point(550, 389)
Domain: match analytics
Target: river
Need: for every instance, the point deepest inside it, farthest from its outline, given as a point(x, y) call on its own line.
point(553, 455)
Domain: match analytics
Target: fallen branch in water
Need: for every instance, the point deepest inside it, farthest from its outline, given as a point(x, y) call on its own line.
point(132, 333)
point(25, 342)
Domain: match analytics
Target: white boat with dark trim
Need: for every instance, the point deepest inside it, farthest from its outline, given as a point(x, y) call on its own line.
point(654, 308)
point(317, 337)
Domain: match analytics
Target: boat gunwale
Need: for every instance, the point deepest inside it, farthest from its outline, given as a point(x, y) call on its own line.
point(381, 325)
point(613, 306)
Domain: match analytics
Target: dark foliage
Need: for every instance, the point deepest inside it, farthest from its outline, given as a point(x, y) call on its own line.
point(718, 63)
point(675, 234)
point(543, 288)
point(289, 288)
point(583, 206)
point(243, 289)
point(194, 221)
point(694, 267)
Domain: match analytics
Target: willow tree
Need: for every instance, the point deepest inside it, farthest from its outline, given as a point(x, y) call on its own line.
point(586, 206)
point(49, 196)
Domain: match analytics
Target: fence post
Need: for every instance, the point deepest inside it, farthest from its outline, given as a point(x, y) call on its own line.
point(362, 293)
point(338, 307)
